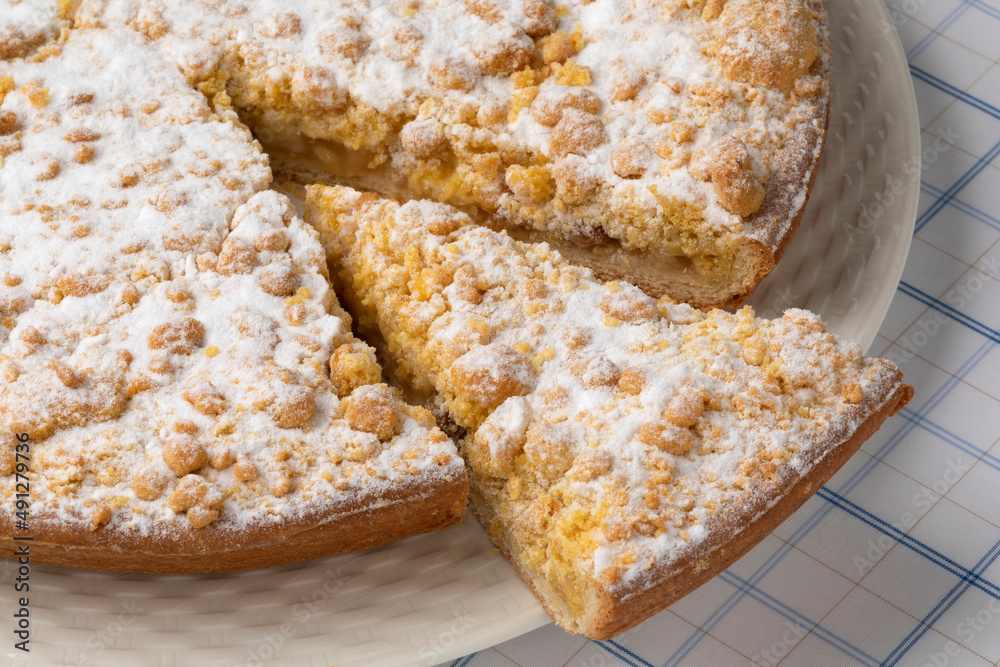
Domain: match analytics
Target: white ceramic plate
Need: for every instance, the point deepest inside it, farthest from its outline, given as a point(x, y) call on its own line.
point(431, 598)
point(847, 256)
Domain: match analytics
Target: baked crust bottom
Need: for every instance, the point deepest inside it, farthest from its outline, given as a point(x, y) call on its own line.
point(373, 519)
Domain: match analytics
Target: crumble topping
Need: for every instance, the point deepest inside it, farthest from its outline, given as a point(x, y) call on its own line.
point(607, 431)
point(654, 125)
point(169, 338)
point(27, 24)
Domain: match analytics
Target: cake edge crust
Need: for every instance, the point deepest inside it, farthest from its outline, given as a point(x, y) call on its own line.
point(369, 520)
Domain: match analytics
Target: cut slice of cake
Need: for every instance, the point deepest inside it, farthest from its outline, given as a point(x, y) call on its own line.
point(672, 143)
point(621, 450)
point(192, 394)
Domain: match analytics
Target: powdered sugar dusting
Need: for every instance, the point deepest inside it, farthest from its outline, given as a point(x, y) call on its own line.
point(167, 325)
point(27, 24)
point(644, 423)
point(495, 102)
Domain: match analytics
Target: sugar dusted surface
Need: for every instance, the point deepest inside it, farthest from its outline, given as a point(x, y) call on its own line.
point(126, 172)
point(26, 24)
point(167, 323)
point(607, 432)
point(656, 125)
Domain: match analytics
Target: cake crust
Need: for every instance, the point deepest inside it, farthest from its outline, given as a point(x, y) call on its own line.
point(367, 520)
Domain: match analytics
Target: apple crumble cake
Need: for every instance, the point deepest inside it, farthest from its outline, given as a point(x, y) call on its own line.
point(671, 143)
point(193, 394)
point(621, 450)
point(169, 342)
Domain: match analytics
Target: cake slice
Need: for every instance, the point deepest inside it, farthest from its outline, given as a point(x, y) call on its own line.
point(669, 142)
point(621, 450)
point(190, 390)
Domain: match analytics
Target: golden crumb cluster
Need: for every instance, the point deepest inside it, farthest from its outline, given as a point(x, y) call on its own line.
point(667, 142)
point(26, 25)
point(168, 337)
point(607, 433)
